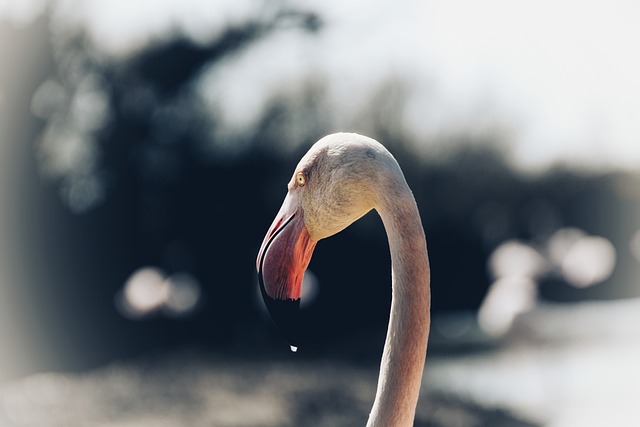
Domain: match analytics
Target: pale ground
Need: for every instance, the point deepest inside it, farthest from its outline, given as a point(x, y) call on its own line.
point(185, 390)
point(561, 367)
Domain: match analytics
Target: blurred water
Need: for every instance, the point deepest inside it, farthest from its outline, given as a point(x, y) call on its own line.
point(560, 366)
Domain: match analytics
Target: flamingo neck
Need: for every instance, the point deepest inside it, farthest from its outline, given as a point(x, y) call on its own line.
point(405, 346)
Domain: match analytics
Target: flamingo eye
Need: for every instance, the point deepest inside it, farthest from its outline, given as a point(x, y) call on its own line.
point(301, 180)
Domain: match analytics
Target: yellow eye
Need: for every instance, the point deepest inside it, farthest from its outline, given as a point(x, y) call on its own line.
point(301, 180)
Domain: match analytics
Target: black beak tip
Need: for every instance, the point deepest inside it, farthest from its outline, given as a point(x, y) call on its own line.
point(286, 316)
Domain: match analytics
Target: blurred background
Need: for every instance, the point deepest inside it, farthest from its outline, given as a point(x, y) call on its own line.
point(145, 148)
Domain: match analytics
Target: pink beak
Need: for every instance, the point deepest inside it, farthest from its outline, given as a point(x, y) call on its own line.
point(283, 258)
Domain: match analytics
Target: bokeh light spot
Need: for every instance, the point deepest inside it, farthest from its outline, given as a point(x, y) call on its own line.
point(183, 296)
point(310, 288)
point(149, 291)
point(515, 266)
point(145, 291)
point(582, 259)
point(561, 242)
point(48, 98)
point(590, 261)
point(514, 258)
point(82, 192)
point(507, 298)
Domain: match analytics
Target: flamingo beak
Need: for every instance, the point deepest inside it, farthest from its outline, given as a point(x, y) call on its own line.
point(283, 258)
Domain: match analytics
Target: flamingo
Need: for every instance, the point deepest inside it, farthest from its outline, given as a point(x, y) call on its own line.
point(342, 177)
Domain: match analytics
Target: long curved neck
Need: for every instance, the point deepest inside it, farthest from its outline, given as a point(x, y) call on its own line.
point(405, 346)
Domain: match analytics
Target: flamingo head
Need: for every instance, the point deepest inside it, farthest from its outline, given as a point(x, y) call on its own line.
point(331, 187)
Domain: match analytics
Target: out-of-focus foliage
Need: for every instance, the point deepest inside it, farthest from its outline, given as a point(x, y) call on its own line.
point(120, 164)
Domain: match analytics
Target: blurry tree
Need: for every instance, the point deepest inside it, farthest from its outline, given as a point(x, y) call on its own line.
point(125, 147)
point(135, 174)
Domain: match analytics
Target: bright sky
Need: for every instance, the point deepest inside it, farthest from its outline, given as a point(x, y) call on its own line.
point(561, 75)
